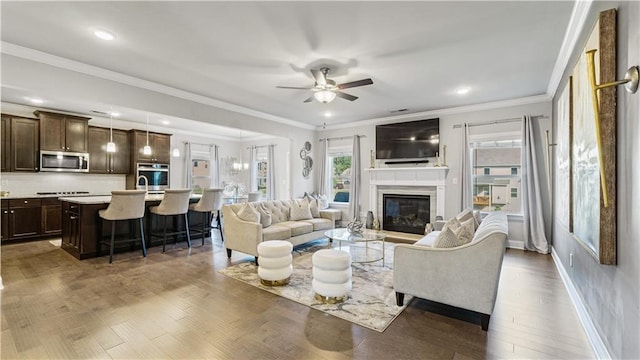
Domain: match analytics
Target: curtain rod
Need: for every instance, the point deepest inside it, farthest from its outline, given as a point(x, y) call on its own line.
point(341, 138)
point(260, 146)
point(192, 143)
point(499, 121)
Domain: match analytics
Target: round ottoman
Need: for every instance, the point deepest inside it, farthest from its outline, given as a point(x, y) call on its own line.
point(331, 275)
point(275, 260)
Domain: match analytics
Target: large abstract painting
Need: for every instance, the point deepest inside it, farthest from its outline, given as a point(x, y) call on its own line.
point(593, 158)
point(563, 158)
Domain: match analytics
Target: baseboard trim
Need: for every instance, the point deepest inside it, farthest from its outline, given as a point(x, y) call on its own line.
point(589, 327)
point(515, 244)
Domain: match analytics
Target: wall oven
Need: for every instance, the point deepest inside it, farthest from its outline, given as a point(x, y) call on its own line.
point(156, 176)
point(64, 161)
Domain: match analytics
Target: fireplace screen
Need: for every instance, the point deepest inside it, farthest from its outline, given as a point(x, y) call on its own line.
point(405, 213)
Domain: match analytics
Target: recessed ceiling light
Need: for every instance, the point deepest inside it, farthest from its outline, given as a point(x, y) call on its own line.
point(36, 101)
point(115, 114)
point(328, 114)
point(165, 122)
point(104, 35)
point(463, 90)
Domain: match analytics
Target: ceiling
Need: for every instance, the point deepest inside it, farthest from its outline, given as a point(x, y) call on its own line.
point(417, 53)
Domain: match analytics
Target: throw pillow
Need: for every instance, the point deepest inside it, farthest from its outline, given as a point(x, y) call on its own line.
point(452, 224)
point(300, 210)
point(478, 217)
point(248, 213)
point(323, 202)
point(465, 215)
point(266, 218)
point(313, 206)
point(447, 239)
point(466, 230)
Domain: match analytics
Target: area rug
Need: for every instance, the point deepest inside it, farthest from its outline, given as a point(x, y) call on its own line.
point(371, 302)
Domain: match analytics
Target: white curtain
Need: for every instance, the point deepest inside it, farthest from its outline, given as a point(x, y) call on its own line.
point(188, 173)
point(253, 171)
point(465, 170)
point(533, 221)
point(215, 176)
point(271, 173)
point(354, 196)
point(322, 167)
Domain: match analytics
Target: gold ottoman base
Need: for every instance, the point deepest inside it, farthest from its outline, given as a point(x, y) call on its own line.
point(275, 282)
point(331, 299)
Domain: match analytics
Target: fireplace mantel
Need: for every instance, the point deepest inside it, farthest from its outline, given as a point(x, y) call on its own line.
point(408, 176)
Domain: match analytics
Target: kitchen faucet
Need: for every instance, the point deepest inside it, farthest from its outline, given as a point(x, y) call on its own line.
point(146, 182)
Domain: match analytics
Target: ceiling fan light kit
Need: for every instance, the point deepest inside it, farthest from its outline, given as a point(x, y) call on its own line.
point(324, 96)
point(325, 90)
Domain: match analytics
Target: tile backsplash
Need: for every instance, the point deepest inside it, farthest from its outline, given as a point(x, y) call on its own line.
point(28, 184)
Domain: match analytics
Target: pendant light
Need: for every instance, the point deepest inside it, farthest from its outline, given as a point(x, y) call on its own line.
point(147, 149)
point(111, 146)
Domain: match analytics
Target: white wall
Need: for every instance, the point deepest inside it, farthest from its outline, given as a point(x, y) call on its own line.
point(611, 293)
point(452, 138)
point(78, 87)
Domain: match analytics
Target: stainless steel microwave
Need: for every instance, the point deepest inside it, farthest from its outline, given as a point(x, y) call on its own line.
point(155, 177)
point(60, 161)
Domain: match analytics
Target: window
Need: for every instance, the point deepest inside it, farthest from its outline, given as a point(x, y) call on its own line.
point(262, 177)
point(496, 163)
point(201, 175)
point(262, 167)
point(339, 164)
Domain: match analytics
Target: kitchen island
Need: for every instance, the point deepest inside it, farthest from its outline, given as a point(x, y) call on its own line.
point(81, 225)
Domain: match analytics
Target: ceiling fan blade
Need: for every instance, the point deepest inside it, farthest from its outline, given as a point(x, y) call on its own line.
point(319, 76)
point(293, 87)
point(346, 96)
point(310, 99)
point(351, 84)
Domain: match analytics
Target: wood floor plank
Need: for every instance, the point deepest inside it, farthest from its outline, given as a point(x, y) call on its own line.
point(176, 305)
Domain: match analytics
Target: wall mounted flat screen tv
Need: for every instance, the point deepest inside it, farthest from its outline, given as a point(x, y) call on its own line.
point(408, 140)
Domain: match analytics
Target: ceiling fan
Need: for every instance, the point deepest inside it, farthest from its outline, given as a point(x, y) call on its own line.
point(325, 90)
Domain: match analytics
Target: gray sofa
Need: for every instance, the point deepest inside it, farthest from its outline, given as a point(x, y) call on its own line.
point(244, 236)
point(465, 276)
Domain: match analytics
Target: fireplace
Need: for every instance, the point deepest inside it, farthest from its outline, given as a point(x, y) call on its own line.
point(406, 213)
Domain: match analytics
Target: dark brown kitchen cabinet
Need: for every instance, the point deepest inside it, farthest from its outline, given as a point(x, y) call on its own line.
point(160, 148)
point(51, 217)
point(4, 224)
point(62, 132)
point(21, 219)
point(21, 144)
point(71, 228)
point(5, 147)
point(102, 162)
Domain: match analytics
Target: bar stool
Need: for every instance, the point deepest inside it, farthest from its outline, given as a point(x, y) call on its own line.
point(124, 205)
point(210, 201)
point(254, 196)
point(175, 202)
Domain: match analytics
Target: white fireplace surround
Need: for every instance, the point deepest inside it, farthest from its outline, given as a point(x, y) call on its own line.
point(410, 181)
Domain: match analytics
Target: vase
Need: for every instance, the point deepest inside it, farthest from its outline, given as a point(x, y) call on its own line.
point(369, 221)
point(376, 224)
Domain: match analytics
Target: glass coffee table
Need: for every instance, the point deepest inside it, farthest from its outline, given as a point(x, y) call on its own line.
point(360, 244)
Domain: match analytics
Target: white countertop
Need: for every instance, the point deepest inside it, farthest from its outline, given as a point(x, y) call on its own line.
point(105, 199)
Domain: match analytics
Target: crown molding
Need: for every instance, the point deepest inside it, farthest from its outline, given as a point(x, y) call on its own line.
point(445, 111)
point(68, 64)
point(571, 36)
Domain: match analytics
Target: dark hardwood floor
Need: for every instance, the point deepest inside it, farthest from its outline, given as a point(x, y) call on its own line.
point(176, 305)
